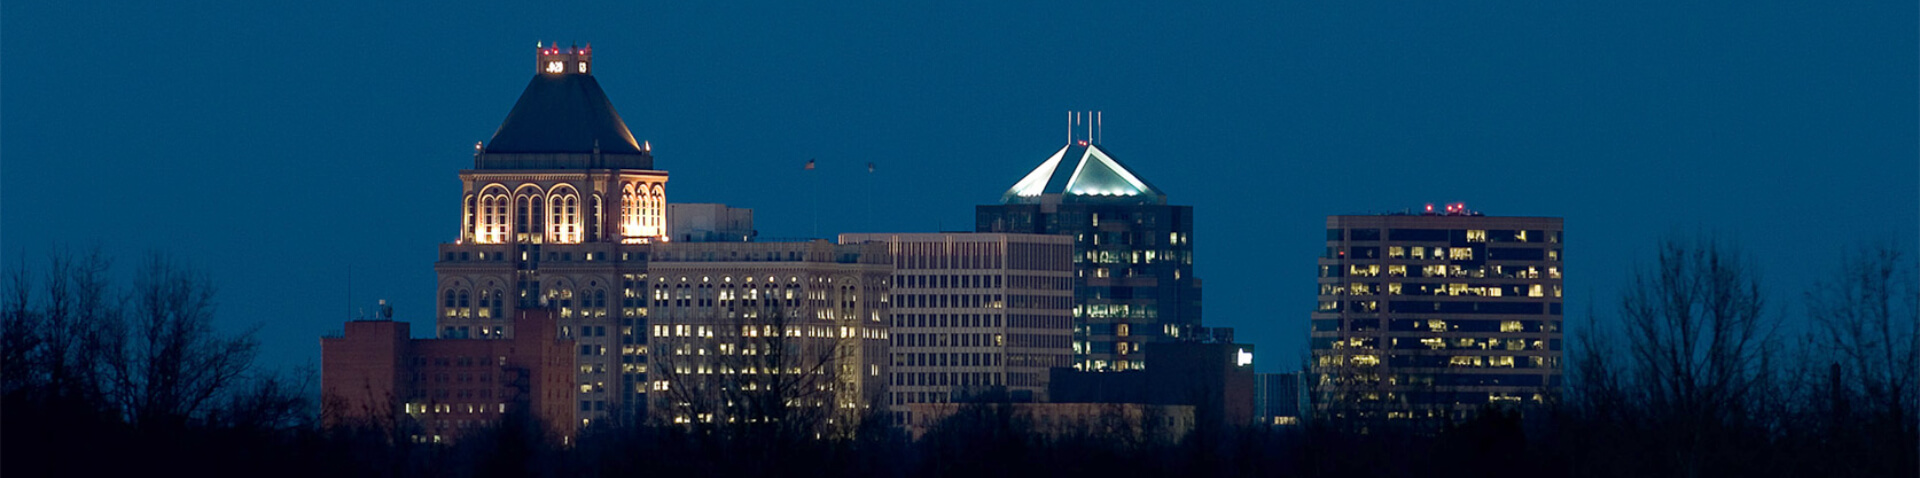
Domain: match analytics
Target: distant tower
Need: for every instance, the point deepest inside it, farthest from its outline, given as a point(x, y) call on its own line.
point(1133, 253)
point(559, 212)
point(1427, 318)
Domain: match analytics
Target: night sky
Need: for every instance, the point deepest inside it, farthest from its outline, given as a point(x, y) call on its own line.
point(278, 145)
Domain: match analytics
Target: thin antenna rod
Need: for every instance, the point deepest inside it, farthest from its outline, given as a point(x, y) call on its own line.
point(1089, 126)
point(1101, 127)
point(1069, 127)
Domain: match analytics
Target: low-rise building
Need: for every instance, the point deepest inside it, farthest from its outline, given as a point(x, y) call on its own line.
point(1216, 379)
point(373, 374)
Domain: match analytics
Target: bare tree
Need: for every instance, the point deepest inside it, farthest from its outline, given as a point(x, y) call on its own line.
point(166, 363)
point(1699, 341)
point(758, 375)
point(20, 334)
point(1868, 321)
point(49, 344)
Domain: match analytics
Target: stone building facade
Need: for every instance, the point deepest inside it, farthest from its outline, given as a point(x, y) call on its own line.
point(976, 315)
point(559, 211)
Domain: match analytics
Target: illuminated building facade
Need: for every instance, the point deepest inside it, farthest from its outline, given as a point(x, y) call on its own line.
point(373, 374)
point(747, 330)
point(1436, 315)
point(976, 315)
point(558, 211)
point(1133, 253)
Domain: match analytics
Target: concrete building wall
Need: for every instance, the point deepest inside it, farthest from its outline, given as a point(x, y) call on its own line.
point(695, 222)
point(723, 315)
point(976, 314)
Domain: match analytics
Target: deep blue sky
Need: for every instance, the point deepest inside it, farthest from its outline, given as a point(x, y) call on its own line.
point(276, 145)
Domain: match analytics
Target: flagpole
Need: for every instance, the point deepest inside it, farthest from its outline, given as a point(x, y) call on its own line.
point(870, 225)
point(813, 194)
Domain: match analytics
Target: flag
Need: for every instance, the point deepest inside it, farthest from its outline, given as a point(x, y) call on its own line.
point(869, 167)
point(809, 164)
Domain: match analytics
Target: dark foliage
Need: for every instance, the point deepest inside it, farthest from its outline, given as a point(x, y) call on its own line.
point(1838, 403)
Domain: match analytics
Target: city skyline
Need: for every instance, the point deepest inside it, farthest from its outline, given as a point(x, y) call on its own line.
point(278, 163)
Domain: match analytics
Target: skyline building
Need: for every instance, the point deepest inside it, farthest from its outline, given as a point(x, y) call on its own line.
point(1133, 276)
point(374, 374)
point(763, 332)
point(1434, 316)
point(976, 316)
point(558, 212)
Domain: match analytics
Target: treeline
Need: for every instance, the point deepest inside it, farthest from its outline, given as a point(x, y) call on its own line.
point(1692, 372)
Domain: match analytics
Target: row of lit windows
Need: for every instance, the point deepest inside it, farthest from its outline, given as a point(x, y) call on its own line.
point(418, 408)
point(1442, 235)
point(554, 215)
point(1454, 289)
point(1438, 361)
point(1441, 270)
point(1439, 343)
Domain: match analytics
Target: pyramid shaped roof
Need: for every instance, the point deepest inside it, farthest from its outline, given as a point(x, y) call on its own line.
point(1082, 172)
point(563, 113)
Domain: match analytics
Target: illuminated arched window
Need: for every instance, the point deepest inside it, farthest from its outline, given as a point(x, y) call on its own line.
point(594, 221)
point(571, 214)
point(564, 215)
point(447, 306)
point(629, 211)
point(492, 226)
point(657, 212)
point(466, 309)
point(469, 215)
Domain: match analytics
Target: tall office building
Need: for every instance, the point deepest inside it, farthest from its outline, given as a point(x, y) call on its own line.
point(557, 212)
point(976, 315)
point(1436, 315)
point(744, 331)
point(1133, 253)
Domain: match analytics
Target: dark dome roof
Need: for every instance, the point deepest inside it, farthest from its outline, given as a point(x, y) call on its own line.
point(566, 113)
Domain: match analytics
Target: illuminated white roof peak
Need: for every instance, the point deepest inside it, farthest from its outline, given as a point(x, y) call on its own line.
point(1095, 175)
